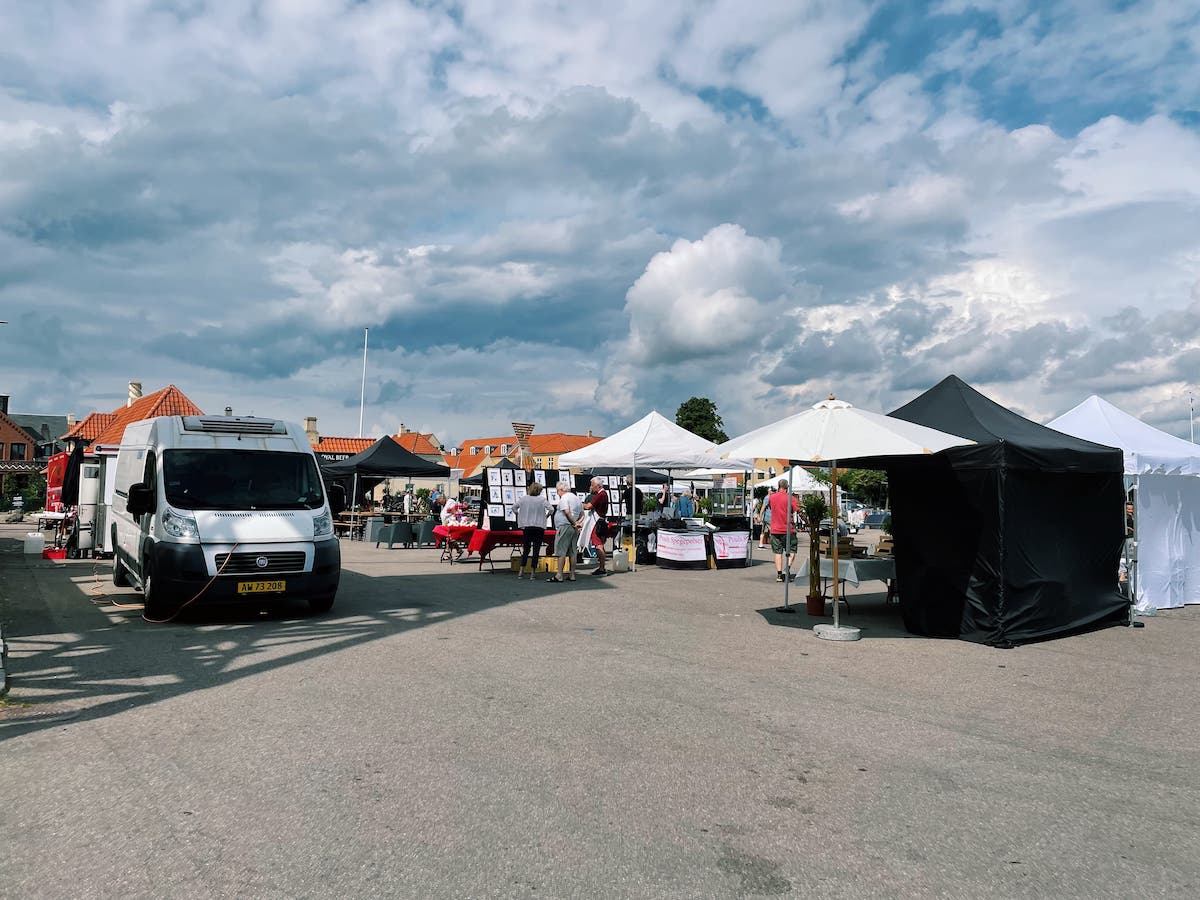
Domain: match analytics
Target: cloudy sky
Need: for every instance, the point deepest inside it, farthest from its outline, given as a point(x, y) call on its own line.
point(570, 218)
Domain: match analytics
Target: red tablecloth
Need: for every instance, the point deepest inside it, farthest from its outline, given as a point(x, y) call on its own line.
point(459, 534)
point(484, 541)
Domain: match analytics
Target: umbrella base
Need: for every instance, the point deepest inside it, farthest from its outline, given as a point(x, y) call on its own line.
point(785, 609)
point(837, 632)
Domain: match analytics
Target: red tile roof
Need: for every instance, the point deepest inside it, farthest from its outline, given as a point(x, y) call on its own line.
point(349, 445)
point(415, 442)
point(90, 426)
point(558, 442)
point(170, 401)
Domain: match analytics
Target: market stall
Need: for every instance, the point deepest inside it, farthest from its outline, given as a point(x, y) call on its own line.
point(1014, 539)
point(656, 442)
point(1162, 472)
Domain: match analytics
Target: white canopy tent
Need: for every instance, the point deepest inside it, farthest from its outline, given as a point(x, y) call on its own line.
point(1163, 469)
point(653, 442)
point(800, 481)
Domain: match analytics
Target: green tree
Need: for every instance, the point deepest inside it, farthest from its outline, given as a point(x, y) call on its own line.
point(868, 485)
point(814, 509)
point(699, 416)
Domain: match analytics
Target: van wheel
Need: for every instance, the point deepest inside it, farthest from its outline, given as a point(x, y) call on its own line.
point(320, 604)
point(120, 575)
point(153, 606)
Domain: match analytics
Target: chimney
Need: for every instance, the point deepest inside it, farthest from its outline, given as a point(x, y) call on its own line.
point(70, 421)
point(402, 430)
point(4, 404)
point(135, 392)
point(310, 430)
point(229, 410)
point(589, 432)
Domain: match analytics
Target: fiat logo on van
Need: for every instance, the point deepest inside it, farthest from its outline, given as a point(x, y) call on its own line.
point(261, 562)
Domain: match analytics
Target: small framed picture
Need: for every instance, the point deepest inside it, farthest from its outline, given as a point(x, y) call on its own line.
point(519, 491)
point(494, 494)
point(510, 513)
point(495, 511)
point(552, 495)
point(506, 476)
point(509, 495)
point(540, 477)
point(493, 476)
point(564, 475)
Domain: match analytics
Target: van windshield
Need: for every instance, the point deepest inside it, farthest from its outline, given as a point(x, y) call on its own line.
point(241, 479)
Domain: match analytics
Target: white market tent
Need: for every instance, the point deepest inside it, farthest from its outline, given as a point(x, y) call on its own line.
point(800, 481)
point(1164, 470)
point(653, 442)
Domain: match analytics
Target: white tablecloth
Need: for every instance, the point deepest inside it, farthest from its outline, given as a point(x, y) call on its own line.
point(854, 571)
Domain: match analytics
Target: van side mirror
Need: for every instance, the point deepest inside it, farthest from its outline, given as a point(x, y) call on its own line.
point(337, 498)
point(140, 500)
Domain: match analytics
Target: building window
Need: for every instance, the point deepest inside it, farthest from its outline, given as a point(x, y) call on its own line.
point(16, 451)
point(504, 448)
point(474, 451)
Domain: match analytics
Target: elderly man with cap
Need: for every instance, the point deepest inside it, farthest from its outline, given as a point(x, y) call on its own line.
point(597, 502)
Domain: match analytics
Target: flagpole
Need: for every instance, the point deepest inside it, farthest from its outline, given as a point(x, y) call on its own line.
point(362, 404)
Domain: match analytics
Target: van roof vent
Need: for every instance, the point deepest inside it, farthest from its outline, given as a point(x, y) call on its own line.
point(233, 425)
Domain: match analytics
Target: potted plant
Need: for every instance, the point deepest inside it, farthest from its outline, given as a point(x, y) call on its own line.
point(814, 508)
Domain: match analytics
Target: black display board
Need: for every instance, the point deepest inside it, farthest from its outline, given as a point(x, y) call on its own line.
point(617, 487)
point(502, 487)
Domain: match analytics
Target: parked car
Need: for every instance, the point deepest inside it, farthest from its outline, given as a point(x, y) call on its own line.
point(844, 527)
point(874, 520)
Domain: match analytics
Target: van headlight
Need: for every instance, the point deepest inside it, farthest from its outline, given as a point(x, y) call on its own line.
point(322, 525)
point(179, 525)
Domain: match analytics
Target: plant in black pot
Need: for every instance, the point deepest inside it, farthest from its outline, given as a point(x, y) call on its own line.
point(814, 508)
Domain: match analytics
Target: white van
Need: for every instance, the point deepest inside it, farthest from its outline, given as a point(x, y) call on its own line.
point(231, 508)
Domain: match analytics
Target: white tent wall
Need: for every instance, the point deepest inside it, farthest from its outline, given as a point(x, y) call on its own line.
point(1164, 469)
point(1168, 523)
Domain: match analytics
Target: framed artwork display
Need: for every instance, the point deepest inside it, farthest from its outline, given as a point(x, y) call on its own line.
point(494, 494)
point(493, 476)
point(495, 510)
point(506, 476)
point(540, 477)
point(509, 495)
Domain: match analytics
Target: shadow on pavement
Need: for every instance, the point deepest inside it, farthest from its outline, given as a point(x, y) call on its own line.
point(88, 659)
point(871, 612)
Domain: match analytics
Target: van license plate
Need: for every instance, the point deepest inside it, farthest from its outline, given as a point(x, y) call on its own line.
point(261, 587)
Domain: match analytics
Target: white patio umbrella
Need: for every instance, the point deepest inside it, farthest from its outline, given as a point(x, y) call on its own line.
point(833, 430)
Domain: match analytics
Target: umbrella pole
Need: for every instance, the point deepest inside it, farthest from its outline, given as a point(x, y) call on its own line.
point(834, 535)
point(837, 631)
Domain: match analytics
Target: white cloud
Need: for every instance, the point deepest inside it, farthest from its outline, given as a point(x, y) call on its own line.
point(703, 298)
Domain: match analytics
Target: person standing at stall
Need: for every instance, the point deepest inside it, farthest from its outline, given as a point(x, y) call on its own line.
point(566, 529)
point(783, 507)
point(597, 502)
point(532, 510)
point(764, 521)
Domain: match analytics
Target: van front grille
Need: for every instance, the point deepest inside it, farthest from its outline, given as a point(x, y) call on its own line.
point(248, 563)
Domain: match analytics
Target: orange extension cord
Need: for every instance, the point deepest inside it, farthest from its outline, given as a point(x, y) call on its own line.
point(102, 594)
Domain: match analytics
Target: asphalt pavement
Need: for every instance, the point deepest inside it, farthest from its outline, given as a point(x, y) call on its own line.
point(446, 732)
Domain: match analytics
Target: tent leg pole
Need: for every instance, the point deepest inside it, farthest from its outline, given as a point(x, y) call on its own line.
point(633, 514)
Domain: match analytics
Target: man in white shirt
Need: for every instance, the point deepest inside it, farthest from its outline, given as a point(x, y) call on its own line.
point(566, 529)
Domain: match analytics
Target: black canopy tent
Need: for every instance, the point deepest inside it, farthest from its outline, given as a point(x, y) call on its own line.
point(1014, 539)
point(385, 459)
